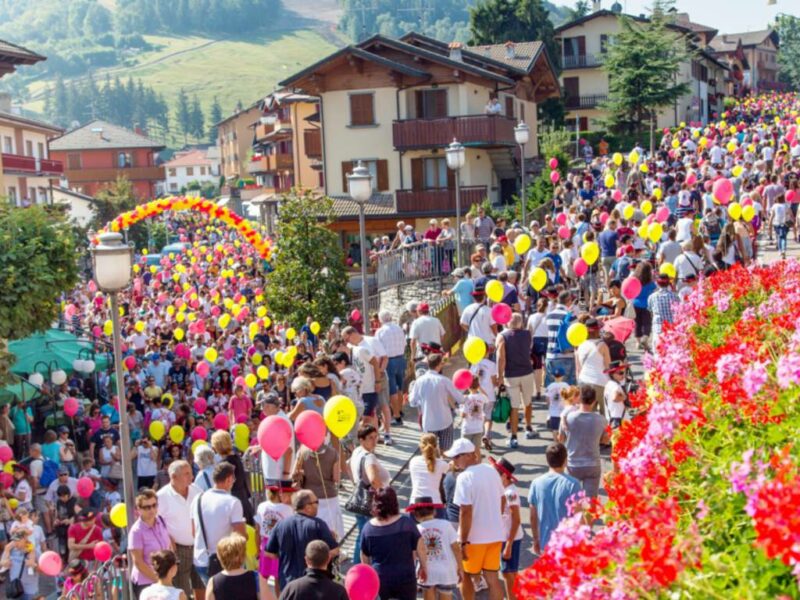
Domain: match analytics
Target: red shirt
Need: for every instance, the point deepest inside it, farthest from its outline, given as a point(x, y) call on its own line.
point(77, 532)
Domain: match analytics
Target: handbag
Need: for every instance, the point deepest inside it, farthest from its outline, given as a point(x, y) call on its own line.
point(360, 502)
point(502, 407)
point(75, 554)
point(214, 566)
point(14, 587)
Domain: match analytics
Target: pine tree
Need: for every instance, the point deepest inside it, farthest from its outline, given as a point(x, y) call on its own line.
point(788, 28)
point(498, 21)
point(214, 118)
point(198, 121)
point(60, 102)
point(183, 115)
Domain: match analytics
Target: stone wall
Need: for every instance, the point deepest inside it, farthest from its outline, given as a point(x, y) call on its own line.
point(396, 298)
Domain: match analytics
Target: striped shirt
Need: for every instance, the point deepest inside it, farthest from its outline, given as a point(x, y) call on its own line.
point(660, 305)
point(553, 320)
point(393, 339)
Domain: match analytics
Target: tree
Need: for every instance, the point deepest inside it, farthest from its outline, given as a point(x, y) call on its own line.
point(37, 264)
point(214, 118)
point(642, 66)
point(183, 114)
point(788, 28)
point(113, 200)
point(580, 10)
point(309, 278)
point(198, 125)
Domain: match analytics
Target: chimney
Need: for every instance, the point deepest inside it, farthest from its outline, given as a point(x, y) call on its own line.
point(455, 50)
point(5, 102)
point(510, 53)
point(597, 5)
point(98, 131)
point(138, 130)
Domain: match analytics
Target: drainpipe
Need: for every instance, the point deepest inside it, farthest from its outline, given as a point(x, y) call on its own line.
point(399, 152)
point(322, 143)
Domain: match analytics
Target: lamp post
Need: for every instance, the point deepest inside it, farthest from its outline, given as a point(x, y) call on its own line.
point(456, 157)
point(112, 263)
point(359, 186)
point(521, 135)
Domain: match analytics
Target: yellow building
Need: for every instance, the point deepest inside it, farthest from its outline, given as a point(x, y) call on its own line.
point(584, 43)
point(757, 54)
point(235, 142)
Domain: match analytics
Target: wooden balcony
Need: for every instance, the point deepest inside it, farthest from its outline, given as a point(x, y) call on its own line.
point(440, 201)
point(472, 130)
point(30, 165)
point(312, 140)
point(580, 61)
point(263, 130)
point(578, 102)
point(269, 163)
point(132, 173)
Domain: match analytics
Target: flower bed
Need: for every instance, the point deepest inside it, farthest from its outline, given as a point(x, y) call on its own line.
point(704, 499)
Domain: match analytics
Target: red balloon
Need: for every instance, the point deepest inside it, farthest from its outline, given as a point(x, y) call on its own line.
point(553, 163)
point(71, 406)
point(85, 487)
point(221, 422)
point(355, 315)
point(362, 582)
point(631, 287)
point(580, 267)
point(199, 433)
point(130, 362)
point(102, 551)
point(791, 196)
point(6, 453)
point(462, 379)
point(501, 313)
point(275, 435)
point(310, 429)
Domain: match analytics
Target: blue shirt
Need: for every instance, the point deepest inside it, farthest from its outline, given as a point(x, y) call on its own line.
point(289, 540)
point(641, 300)
point(111, 412)
point(548, 495)
point(391, 549)
point(608, 242)
point(462, 291)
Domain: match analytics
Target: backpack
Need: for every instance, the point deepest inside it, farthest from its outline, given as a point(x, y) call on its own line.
point(49, 472)
point(562, 343)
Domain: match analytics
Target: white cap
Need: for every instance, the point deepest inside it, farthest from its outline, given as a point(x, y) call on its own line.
point(460, 446)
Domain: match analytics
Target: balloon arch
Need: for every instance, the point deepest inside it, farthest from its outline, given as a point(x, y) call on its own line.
point(207, 207)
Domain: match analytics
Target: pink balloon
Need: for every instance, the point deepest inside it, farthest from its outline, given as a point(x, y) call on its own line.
point(85, 487)
point(69, 312)
point(580, 267)
point(96, 331)
point(71, 406)
point(791, 196)
point(631, 287)
point(92, 286)
point(501, 313)
point(462, 379)
point(310, 429)
point(50, 563)
point(723, 190)
point(202, 368)
point(662, 214)
point(102, 551)
point(355, 315)
point(130, 362)
point(617, 195)
point(563, 232)
point(200, 406)
point(199, 433)
point(362, 582)
point(6, 453)
point(275, 435)
point(747, 202)
point(561, 218)
point(604, 216)
point(553, 163)
point(228, 354)
point(691, 179)
point(6, 479)
point(216, 311)
point(251, 350)
point(555, 176)
point(221, 422)
point(241, 418)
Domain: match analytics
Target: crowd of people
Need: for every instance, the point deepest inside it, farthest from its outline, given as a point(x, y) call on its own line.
point(626, 241)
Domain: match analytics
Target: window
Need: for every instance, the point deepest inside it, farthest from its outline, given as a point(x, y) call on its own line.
point(603, 43)
point(202, 170)
point(379, 169)
point(510, 106)
point(173, 186)
point(8, 145)
point(172, 172)
point(189, 171)
point(435, 173)
point(12, 195)
point(40, 148)
point(124, 160)
point(431, 104)
point(43, 195)
point(73, 160)
point(28, 148)
point(362, 111)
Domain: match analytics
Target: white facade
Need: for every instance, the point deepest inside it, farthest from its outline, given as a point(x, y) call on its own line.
point(202, 166)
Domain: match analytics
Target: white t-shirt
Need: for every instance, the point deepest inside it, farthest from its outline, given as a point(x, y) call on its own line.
point(423, 482)
point(138, 341)
point(512, 499)
point(591, 364)
point(485, 370)
point(778, 211)
point(716, 155)
point(472, 413)
point(371, 459)
point(687, 264)
point(221, 511)
point(146, 466)
point(427, 329)
point(480, 486)
point(361, 357)
point(683, 229)
point(554, 400)
point(269, 514)
point(537, 325)
point(481, 325)
point(176, 511)
point(439, 536)
point(614, 408)
point(767, 153)
point(273, 469)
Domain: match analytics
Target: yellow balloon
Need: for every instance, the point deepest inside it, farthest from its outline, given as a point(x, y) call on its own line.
point(494, 290)
point(617, 158)
point(577, 334)
point(241, 436)
point(196, 444)
point(642, 231)
point(538, 279)
point(224, 320)
point(180, 317)
point(267, 322)
point(154, 269)
point(655, 232)
point(251, 548)
point(13, 503)
point(658, 193)
point(179, 333)
point(731, 147)
point(291, 334)
point(108, 327)
point(167, 400)
point(119, 515)
point(737, 170)
point(609, 181)
point(628, 211)
point(340, 415)
point(211, 354)
point(644, 168)
point(315, 327)
point(735, 211)
point(176, 434)
point(474, 350)
point(251, 380)
point(590, 252)
point(647, 207)
point(256, 359)
point(633, 157)
point(136, 268)
point(522, 243)
point(9, 467)
point(261, 312)
point(157, 430)
point(748, 213)
point(668, 269)
point(170, 310)
point(279, 356)
point(144, 252)
point(676, 143)
point(262, 372)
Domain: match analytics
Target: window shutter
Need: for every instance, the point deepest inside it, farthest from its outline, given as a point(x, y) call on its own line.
point(383, 175)
point(361, 109)
point(451, 179)
point(417, 174)
point(510, 106)
point(347, 167)
point(440, 104)
point(419, 99)
point(582, 45)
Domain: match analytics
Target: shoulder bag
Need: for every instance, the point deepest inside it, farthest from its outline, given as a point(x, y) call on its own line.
point(14, 588)
point(214, 566)
point(73, 554)
point(360, 502)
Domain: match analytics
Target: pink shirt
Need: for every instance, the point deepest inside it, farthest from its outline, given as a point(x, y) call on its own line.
point(148, 540)
point(241, 405)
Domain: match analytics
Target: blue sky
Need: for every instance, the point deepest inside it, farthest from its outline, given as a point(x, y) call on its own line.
point(729, 16)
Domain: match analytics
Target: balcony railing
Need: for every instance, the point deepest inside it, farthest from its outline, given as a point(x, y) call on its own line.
point(312, 139)
point(263, 130)
point(473, 130)
point(269, 163)
point(772, 86)
point(132, 173)
point(438, 201)
point(585, 101)
point(30, 165)
point(580, 61)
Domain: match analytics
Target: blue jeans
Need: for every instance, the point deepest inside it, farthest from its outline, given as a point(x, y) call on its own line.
point(781, 231)
point(361, 520)
point(566, 365)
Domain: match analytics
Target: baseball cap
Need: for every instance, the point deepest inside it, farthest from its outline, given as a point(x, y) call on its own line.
point(459, 447)
point(423, 307)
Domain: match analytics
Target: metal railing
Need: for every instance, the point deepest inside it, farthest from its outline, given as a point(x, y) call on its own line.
point(103, 583)
point(580, 60)
point(585, 101)
point(416, 262)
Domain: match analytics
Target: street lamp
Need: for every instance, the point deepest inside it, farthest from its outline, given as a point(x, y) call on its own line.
point(112, 263)
point(456, 157)
point(521, 135)
point(359, 186)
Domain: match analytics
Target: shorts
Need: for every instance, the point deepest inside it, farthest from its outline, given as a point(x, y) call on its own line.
point(383, 395)
point(554, 423)
point(520, 390)
point(482, 557)
point(442, 589)
point(512, 564)
point(396, 373)
point(475, 438)
point(589, 478)
point(39, 503)
point(370, 400)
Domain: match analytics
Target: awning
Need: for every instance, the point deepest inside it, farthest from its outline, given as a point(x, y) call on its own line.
point(19, 389)
point(54, 348)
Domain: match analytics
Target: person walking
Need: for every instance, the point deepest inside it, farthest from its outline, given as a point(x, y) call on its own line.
point(165, 564)
point(660, 304)
point(427, 469)
point(222, 444)
point(316, 584)
point(319, 472)
point(367, 471)
point(234, 581)
point(592, 359)
point(558, 358)
point(393, 338)
point(516, 372)
point(148, 534)
point(436, 397)
point(476, 320)
point(583, 431)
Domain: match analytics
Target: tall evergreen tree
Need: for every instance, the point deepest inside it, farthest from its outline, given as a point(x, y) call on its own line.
point(183, 114)
point(498, 21)
point(214, 118)
point(788, 28)
point(198, 121)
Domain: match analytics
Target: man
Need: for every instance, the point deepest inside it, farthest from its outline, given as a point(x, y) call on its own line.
point(152, 390)
point(670, 250)
point(369, 367)
point(516, 372)
point(462, 290)
point(583, 431)
point(215, 515)
point(288, 541)
point(484, 225)
point(270, 404)
point(379, 352)
point(178, 373)
point(312, 338)
point(21, 416)
point(97, 439)
point(158, 369)
point(608, 246)
point(393, 339)
point(477, 321)
point(425, 329)
point(51, 495)
point(316, 584)
point(660, 306)
point(435, 396)
point(549, 495)
point(480, 497)
point(555, 358)
point(174, 506)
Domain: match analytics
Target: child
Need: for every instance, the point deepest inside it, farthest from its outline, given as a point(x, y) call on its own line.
point(511, 523)
point(571, 398)
point(444, 569)
point(77, 572)
point(486, 370)
point(165, 564)
point(473, 414)
point(269, 513)
point(554, 401)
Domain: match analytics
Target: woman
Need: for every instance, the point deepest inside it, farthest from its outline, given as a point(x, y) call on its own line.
point(644, 319)
point(165, 564)
point(446, 241)
point(615, 304)
point(320, 472)
point(281, 388)
point(22, 489)
point(6, 426)
point(223, 445)
point(93, 422)
point(328, 369)
point(427, 470)
point(368, 471)
point(322, 385)
point(497, 258)
point(109, 459)
point(391, 543)
point(303, 390)
point(537, 325)
point(83, 535)
point(148, 535)
point(20, 559)
point(592, 360)
point(146, 455)
point(67, 451)
point(234, 581)
point(204, 459)
point(729, 250)
point(51, 449)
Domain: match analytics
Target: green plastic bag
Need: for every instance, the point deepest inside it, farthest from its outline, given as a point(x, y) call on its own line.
point(502, 407)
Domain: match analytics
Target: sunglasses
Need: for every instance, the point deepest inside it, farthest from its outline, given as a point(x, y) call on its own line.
point(148, 506)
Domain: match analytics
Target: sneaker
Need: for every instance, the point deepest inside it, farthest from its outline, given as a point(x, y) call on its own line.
point(397, 422)
point(387, 440)
point(512, 442)
point(530, 433)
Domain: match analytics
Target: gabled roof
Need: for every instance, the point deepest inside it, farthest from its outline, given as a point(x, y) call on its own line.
point(190, 158)
point(596, 14)
point(111, 137)
point(73, 194)
point(7, 116)
point(727, 42)
point(282, 97)
point(13, 55)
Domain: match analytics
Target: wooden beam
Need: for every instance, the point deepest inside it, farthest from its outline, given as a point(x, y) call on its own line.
point(397, 78)
point(356, 63)
point(318, 81)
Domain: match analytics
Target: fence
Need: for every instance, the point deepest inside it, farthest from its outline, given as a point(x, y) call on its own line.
point(416, 262)
point(103, 583)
